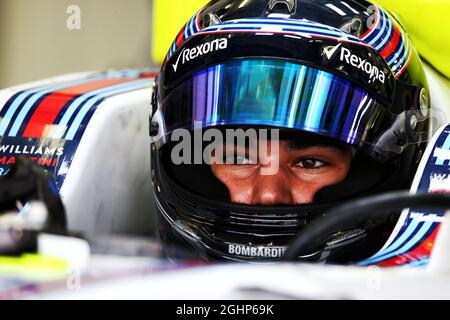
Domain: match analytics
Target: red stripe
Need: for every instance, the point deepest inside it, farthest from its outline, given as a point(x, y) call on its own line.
point(46, 113)
point(180, 36)
point(151, 74)
point(422, 251)
point(392, 44)
point(48, 109)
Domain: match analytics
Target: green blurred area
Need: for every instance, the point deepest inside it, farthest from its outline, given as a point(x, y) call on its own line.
point(169, 16)
point(427, 24)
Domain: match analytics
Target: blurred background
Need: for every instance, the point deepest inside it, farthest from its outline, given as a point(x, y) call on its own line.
point(43, 38)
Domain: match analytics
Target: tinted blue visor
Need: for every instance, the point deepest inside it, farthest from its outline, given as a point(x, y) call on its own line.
point(286, 95)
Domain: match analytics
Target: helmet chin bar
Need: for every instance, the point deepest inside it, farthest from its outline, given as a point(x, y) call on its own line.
point(211, 249)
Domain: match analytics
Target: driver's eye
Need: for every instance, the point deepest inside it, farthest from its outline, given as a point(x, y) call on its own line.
point(238, 159)
point(310, 163)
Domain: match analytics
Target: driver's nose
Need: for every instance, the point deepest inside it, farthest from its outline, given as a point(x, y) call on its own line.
point(272, 189)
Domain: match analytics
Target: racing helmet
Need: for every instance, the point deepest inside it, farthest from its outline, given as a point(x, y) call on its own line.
point(344, 72)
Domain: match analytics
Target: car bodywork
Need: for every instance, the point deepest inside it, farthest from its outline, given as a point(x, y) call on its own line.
point(90, 131)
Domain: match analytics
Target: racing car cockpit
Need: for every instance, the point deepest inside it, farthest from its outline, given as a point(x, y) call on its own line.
point(302, 136)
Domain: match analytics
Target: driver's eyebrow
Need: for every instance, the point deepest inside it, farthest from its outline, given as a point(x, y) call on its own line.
point(301, 145)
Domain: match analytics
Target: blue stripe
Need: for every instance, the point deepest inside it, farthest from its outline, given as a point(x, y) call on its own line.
point(410, 244)
point(195, 23)
point(37, 94)
point(10, 108)
point(385, 30)
point(299, 28)
point(377, 29)
point(397, 243)
point(282, 22)
point(338, 35)
point(369, 35)
point(186, 29)
point(380, 33)
point(387, 38)
point(402, 61)
point(318, 99)
point(86, 107)
point(191, 26)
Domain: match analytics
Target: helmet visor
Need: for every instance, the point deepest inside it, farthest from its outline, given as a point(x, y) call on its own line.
point(282, 94)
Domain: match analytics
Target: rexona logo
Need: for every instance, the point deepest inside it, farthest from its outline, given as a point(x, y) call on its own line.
point(348, 57)
point(257, 252)
point(189, 54)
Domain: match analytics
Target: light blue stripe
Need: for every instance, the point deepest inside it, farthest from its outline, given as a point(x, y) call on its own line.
point(445, 146)
point(216, 85)
point(13, 108)
point(36, 96)
point(380, 33)
point(286, 88)
point(376, 29)
point(191, 26)
point(400, 64)
point(282, 23)
point(418, 263)
point(397, 243)
point(91, 102)
point(58, 134)
point(285, 28)
point(318, 100)
point(290, 28)
point(318, 31)
point(388, 36)
point(411, 243)
point(297, 95)
point(195, 23)
point(186, 29)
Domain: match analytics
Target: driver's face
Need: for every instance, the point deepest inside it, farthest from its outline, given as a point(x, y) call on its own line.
point(302, 172)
